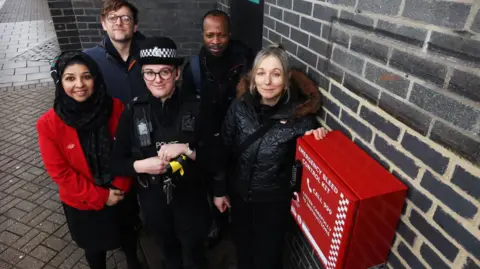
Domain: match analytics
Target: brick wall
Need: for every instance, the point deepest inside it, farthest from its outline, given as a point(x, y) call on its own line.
point(401, 78)
point(224, 5)
point(77, 22)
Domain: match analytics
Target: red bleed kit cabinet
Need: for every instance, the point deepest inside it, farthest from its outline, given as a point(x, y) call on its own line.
point(347, 204)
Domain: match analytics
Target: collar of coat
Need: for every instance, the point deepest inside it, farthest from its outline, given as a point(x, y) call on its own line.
point(305, 97)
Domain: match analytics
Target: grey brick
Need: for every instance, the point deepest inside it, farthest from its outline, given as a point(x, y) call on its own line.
point(358, 127)
point(456, 230)
point(55, 243)
point(63, 19)
point(441, 13)
point(369, 48)
point(466, 181)
point(274, 37)
point(394, 262)
point(276, 12)
point(56, 12)
point(336, 35)
point(318, 78)
point(291, 18)
point(59, 4)
point(425, 153)
point(372, 154)
point(391, 81)
point(335, 72)
point(457, 46)
point(285, 3)
point(448, 196)
point(310, 26)
point(432, 258)
point(87, 19)
point(299, 36)
point(296, 63)
point(470, 264)
point(406, 233)
point(407, 165)
point(457, 141)
point(303, 7)
point(289, 45)
point(355, 19)
point(325, 13)
point(307, 56)
point(43, 253)
point(465, 84)
point(476, 23)
point(282, 28)
point(347, 60)
point(434, 236)
point(406, 34)
point(322, 63)
point(421, 67)
point(335, 125)
point(379, 6)
point(331, 106)
point(318, 46)
point(350, 3)
point(344, 98)
point(361, 88)
point(409, 257)
point(269, 22)
point(380, 123)
point(445, 107)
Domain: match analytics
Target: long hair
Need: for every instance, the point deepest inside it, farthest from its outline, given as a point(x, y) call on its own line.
point(278, 52)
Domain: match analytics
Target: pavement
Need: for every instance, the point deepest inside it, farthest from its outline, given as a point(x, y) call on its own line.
point(27, 42)
point(33, 230)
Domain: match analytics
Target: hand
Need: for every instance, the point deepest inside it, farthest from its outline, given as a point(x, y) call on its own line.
point(319, 133)
point(221, 203)
point(152, 166)
point(170, 151)
point(114, 197)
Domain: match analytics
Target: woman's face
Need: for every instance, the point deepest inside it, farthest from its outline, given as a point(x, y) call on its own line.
point(160, 79)
point(270, 79)
point(78, 82)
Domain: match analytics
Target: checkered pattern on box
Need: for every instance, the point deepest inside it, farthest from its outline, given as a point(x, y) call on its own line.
point(337, 232)
point(156, 52)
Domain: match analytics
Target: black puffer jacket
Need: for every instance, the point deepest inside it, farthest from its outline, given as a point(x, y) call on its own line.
point(262, 172)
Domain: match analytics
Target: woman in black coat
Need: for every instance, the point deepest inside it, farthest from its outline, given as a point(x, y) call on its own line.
point(283, 103)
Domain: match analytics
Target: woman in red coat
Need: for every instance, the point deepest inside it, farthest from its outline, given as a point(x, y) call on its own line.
point(75, 139)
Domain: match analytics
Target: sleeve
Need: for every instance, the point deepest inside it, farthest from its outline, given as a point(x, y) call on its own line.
point(229, 129)
point(122, 157)
point(188, 84)
point(68, 179)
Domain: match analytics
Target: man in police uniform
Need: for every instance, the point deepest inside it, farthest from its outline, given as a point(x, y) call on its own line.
point(155, 143)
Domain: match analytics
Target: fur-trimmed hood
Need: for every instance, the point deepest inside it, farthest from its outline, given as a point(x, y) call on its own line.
point(305, 97)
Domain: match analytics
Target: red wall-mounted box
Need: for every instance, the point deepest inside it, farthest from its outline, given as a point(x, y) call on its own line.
point(348, 205)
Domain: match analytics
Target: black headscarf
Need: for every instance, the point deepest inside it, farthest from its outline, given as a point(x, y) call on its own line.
point(89, 118)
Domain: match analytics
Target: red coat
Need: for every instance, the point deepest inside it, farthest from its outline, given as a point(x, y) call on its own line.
point(66, 164)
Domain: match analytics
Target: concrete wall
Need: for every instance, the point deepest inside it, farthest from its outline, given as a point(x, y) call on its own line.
point(77, 22)
point(401, 78)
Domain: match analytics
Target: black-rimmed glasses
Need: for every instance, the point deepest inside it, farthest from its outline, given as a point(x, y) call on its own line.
point(124, 18)
point(150, 75)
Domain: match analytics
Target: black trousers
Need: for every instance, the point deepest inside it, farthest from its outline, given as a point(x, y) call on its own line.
point(96, 259)
point(179, 228)
point(259, 231)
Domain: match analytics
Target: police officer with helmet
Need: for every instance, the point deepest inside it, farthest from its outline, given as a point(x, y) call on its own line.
point(155, 143)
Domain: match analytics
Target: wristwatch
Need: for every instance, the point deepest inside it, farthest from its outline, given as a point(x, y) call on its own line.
point(189, 151)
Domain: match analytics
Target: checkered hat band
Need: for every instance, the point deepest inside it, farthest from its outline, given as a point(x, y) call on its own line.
point(156, 52)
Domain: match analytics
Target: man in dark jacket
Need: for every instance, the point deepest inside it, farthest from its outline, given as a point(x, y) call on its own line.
point(213, 75)
point(118, 53)
point(117, 56)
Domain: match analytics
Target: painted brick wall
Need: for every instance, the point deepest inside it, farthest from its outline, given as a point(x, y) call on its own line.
point(77, 22)
point(401, 78)
point(224, 5)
